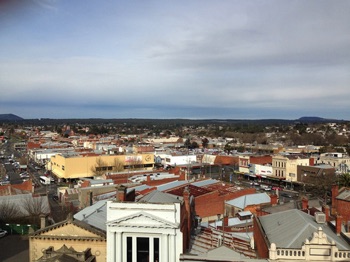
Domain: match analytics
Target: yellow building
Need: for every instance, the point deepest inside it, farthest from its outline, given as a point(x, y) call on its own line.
point(68, 166)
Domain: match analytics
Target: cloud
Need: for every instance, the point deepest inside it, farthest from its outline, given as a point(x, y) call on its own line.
point(158, 59)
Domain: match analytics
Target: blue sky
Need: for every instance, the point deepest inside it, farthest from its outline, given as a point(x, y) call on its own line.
point(175, 59)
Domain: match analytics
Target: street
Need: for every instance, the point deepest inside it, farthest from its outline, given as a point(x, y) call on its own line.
point(14, 248)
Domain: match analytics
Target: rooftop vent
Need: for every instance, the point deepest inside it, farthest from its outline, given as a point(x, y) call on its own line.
point(320, 217)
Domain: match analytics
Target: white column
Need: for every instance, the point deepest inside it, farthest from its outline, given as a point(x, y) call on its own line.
point(134, 249)
point(164, 248)
point(172, 248)
point(111, 246)
point(151, 248)
point(119, 247)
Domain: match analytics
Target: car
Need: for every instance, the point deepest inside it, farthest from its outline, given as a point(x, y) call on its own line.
point(3, 233)
point(286, 195)
point(277, 188)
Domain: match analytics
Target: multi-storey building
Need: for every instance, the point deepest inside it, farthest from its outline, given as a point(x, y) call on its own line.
point(74, 166)
point(339, 161)
point(285, 166)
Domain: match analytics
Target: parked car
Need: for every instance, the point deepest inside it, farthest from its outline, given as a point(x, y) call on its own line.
point(3, 233)
point(277, 188)
point(286, 195)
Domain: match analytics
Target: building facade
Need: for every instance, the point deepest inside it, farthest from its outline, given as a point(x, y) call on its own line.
point(70, 167)
point(143, 232)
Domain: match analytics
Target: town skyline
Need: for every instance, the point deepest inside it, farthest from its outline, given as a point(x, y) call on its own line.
point(191, 60)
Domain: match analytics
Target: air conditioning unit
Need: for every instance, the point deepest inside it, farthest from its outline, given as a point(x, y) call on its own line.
point(320, 217)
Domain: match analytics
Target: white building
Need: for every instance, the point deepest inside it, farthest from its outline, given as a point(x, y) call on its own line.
point(145, 231)
point(175, 160)
point(260, 170)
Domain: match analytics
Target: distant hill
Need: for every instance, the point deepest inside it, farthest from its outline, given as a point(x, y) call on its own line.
point(10, 117)
point(315, 119)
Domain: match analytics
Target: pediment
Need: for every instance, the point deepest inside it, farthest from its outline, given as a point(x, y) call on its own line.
point(144, 220)
point(68, 229)
point(319, 238)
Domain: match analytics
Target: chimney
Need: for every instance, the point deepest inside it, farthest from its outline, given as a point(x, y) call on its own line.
point(274, 199)
point(121, 193)
point(335, 192)
point(325, 210)
point(90, 198)
point(338, 224)
point(186, 199)
point(225, 224)
point(42, 221)
point(148, 179)
point(304, 203)
point(258, 212)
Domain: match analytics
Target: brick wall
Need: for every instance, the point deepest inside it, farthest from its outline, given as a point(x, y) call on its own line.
point(260, 241)
point(213, 203)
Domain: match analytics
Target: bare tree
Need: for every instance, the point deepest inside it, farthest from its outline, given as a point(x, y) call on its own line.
point(9, 211)
point(99, 168)
point(35, 206)
point(135, 163)
point(117, 165)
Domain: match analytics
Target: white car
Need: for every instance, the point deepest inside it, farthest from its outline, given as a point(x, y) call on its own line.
point(3, 233)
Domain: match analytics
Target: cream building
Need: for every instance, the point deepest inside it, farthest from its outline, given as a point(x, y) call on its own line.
point(76, 166)
point(72, 234)
point(339, 161)
point(285, 166)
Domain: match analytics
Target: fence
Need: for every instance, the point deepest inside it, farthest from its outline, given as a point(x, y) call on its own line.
point(18, 229)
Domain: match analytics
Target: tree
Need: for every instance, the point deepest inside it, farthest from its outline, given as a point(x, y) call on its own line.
point(228, 148)
point(344, 180)
point(135, 163)
point(117, 165)
point(187, 143)
point(99, 168)
point(35, 206)
point(205, 142)
point(9, 211)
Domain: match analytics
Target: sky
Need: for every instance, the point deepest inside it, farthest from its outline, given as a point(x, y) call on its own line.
point(192, 59)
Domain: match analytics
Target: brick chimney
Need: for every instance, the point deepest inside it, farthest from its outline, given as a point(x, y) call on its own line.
point(274, 199)
point(186, 199)
point(335, 192)
point(148, 179)
point(325, 210)
point(338, 224)
point(225, 221)
point(258, 212)
point(121, 193)
point(304, 203)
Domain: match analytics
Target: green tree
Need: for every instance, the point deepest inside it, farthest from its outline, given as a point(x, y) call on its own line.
point(344, 180)
point(205, 142)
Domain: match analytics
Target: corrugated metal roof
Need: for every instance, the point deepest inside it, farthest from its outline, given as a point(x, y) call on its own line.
point(138, 188)
point(160, 197)
point(170, 185)
point(95, 215)
point(345, 195)
point(290, 229)
point(251, 199)
point(205, 182)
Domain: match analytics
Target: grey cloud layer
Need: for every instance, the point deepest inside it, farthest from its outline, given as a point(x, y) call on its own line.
point(259, 55)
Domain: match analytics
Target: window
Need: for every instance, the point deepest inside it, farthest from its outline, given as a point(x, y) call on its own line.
point(145, 248)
